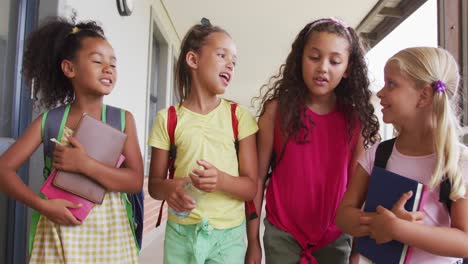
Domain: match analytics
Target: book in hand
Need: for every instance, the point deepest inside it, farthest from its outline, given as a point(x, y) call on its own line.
point(103, 143)
point(385, 189)
point(52, 192)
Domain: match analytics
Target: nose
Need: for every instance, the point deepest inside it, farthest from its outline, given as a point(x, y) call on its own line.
point(380, 93)
point(230, 64)
point(108, 69)
point(323, 66)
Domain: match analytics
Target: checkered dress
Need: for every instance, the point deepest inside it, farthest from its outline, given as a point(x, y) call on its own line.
point(104, 237)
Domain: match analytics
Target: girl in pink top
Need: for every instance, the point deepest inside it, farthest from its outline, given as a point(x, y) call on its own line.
point(316, 117)
point(419, 97)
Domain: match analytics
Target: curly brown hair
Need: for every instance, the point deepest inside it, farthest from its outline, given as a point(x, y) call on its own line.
point(55, 40)
point(290, 90)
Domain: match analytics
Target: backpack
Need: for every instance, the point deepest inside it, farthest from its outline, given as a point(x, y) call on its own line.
point(53, 123)
point(250, 210)
point(382, 154)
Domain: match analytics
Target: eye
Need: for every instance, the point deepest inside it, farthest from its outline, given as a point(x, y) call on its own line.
point(334, 62)
point(98, 62)
point(113, 66)
point(314, 58)
point(234, 63)
point(221, 55)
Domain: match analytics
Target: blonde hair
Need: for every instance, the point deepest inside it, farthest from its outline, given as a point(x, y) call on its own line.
point(425, 66)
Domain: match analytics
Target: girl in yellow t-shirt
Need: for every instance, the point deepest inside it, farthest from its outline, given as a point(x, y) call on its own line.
point(206, 161)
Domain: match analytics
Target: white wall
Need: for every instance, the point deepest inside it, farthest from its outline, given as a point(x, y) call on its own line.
point(130, 37)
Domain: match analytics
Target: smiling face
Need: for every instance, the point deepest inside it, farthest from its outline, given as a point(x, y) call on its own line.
point(324, 62)
point(399, 97)
point(93, 69)
point(215, 63)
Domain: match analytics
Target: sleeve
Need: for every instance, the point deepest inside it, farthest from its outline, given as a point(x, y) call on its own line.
point(247, 124)
point(367, 159)
point(159, 138)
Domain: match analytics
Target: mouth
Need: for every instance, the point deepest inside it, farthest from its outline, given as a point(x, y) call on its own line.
point(320, 80)
point(106, 81)
point(226, 77)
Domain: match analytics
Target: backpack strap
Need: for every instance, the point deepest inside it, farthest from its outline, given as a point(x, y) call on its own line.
point(383, 152)
point(52, 126)
point(250, 210)
point(171, 126)
point(114, 117)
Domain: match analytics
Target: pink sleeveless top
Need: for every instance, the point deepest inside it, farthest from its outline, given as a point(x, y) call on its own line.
point(309, 181)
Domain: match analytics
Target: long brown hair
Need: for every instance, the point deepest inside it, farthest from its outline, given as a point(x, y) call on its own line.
point(290, 90)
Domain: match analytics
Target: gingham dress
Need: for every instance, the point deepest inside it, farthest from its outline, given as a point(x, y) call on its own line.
point(104, 236)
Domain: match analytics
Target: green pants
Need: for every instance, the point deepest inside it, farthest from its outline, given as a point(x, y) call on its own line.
point(201, 243)
point(282, 248)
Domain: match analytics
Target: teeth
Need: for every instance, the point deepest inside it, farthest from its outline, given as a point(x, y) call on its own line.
point(105, 80)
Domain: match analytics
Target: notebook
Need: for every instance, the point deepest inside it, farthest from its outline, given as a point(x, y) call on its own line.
point(104, 144)
point(52, 192)
point(386, 188)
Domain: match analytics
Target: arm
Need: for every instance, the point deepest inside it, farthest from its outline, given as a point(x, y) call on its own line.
point(161, 188)
point(243, 187)
point(126, 179)
point(265, 136)
point(13, 186)
point(444, 241)
point(349, 211)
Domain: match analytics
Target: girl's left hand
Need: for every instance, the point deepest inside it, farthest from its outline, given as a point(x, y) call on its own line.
point(209, 179)
point(380, 225)
point(70, 159)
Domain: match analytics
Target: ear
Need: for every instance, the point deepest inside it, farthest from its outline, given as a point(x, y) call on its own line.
point(426, 96)
point(68, 68)
point(191, 58)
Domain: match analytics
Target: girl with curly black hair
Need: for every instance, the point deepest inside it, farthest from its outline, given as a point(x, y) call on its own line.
point(315, 120)
point(72, 67)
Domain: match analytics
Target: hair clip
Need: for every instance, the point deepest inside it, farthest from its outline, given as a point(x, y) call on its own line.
point(205, 22)
point(75, 30)
point(439, 86)
point(333, 20)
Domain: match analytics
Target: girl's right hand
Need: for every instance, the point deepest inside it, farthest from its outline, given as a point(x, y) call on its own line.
point(178, 199)
point(399, 210)
point(253, 254)
point(57, 211)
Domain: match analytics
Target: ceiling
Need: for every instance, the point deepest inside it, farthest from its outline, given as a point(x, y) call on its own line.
point(263, 31)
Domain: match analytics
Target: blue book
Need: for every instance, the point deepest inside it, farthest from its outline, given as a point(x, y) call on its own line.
point(385, 188)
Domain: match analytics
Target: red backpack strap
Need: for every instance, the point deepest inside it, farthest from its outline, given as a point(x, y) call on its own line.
point(171, 126)
point(250, 210)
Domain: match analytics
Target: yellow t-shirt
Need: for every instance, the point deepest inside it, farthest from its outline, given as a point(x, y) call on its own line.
point(206, 137)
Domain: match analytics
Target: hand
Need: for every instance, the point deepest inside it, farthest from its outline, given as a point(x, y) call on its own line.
point(399, 210)
point(209, 179)
point(178, 199)
point(354, 257)
point(57, 211)
point(253, 254)
point(71, 159)
point(380, 225)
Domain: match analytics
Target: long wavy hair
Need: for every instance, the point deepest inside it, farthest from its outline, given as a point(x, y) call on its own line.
point(426, 66)
point(55, 40)
point(353, 94)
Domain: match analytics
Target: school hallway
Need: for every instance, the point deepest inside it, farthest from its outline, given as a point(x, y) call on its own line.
point(153, 252)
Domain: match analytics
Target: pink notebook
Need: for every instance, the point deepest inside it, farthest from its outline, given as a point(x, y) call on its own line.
point(52, 192)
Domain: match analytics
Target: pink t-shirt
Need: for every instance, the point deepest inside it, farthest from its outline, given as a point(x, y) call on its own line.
point(310, 180)
point(420, 169)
